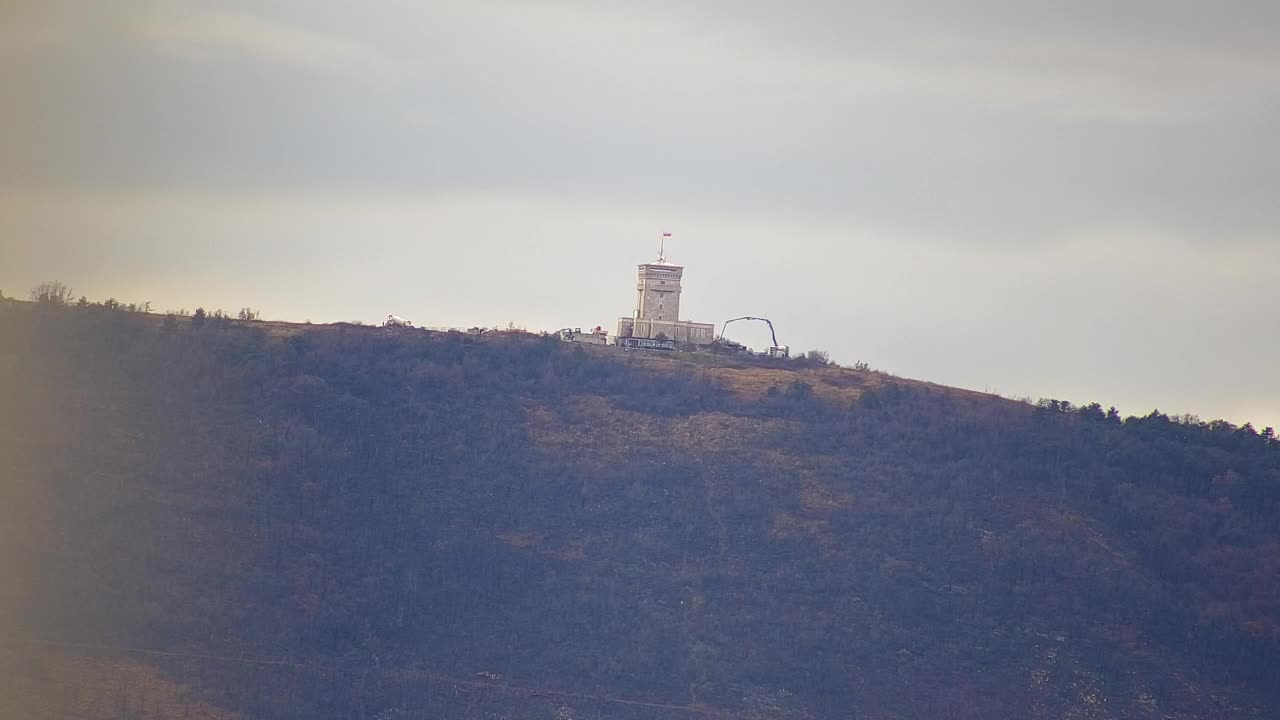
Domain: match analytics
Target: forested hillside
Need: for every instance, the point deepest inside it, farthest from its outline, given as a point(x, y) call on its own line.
point(354, 522)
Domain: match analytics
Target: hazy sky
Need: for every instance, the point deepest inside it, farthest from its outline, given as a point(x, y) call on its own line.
point(1076, 200)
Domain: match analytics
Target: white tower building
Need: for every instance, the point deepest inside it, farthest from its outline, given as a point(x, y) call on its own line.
point(658, 291)
point(657, 312)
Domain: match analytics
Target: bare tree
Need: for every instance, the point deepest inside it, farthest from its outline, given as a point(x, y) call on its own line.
point(818, 356)
point(219, 319)
point(51, 292)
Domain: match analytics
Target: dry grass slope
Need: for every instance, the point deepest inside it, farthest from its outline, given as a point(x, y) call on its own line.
point(60, 686)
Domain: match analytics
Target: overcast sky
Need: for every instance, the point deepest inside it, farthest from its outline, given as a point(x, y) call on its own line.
point(1075, 200)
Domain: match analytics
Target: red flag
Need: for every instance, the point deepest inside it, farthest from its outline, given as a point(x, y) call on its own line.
point(666, 234)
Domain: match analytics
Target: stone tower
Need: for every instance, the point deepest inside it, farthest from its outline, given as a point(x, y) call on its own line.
point(657, 313)
point(658, 291)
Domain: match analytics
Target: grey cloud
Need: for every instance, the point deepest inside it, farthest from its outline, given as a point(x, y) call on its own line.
point(995, 124)
point(948, 156)
point(212, 36)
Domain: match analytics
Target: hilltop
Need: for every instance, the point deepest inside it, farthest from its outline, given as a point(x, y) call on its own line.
point(333, 521)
